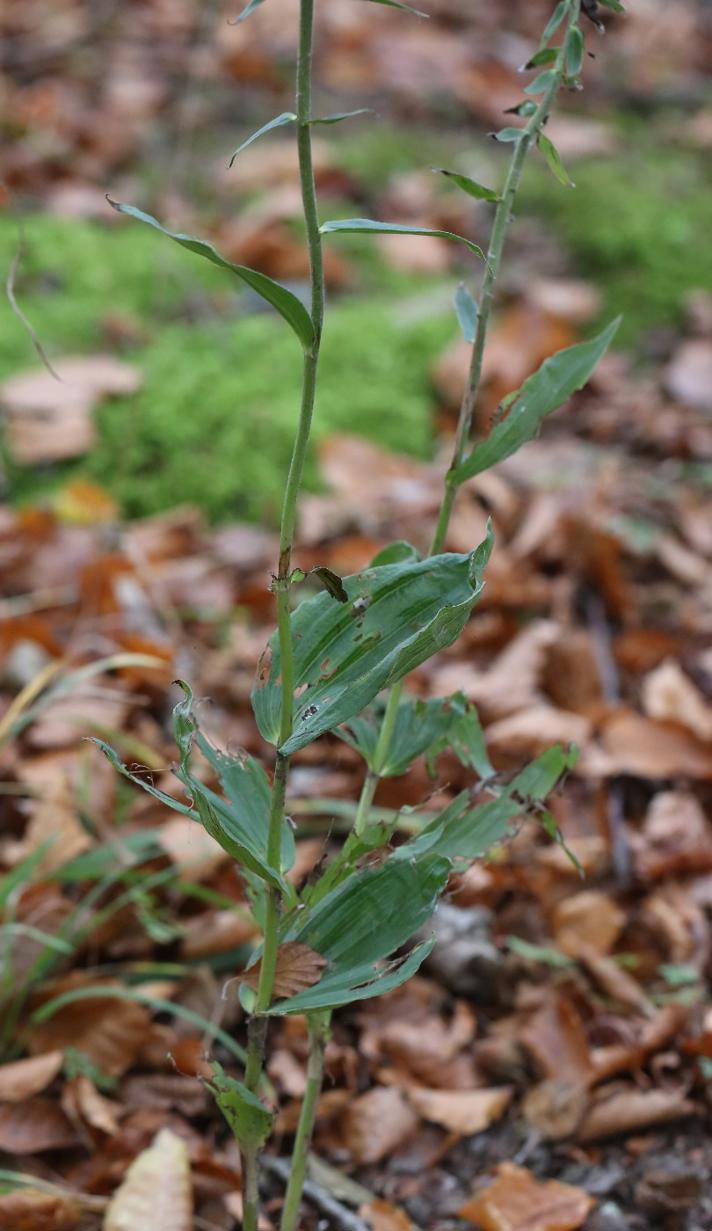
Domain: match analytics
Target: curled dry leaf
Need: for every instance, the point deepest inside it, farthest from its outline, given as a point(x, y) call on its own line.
point(516, 1201)
point(31, 1210)
point(298, 967)
point(630, 1110)
point(676, 837)
point(23, 1078)
point(555, 1108)
point(82, 1102)
point(616, 982)
point(650, 1035)
point(462, 1111)
point(34, 1126)
point(375, 1124)
point(670, 695)
point(157, 1190)
point(642, 746)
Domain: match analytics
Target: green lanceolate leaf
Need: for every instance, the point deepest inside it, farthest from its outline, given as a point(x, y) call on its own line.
point(287, 117)
point(287, 304)
point(249, 1119)
point(573, 52)
point(359, 923)
point(553, 161)
point(549, 387)
point(466, 309)
point(536, 780)
point(397, 616)
point(338, 116)
point(546, 55)
point(554, 21)
point(396, 4)
point(508, 134)
point(541, 83)
point(366, 226)
point(249, 8)
point(419, 728)
point(470, 186)
point(466, 737)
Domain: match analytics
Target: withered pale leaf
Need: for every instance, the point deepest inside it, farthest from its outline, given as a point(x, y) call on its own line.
point(23, 1078)
point(555, 1108)
point(516, 1201)
point(157, 1190)
point(462, 1111)
point(34, 1126)
point(375, 1124)
point(298, 967)
point(670, 695)
point(590, 919)
point(630, 1110)
point(31, 1210)
point(635, 744)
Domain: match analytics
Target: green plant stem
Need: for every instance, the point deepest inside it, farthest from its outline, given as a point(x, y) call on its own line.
point(318, 1037)
point(258, 1025)
point(500, 226)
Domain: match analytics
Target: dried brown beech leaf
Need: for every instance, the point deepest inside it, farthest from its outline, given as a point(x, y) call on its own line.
point(375, 1124)
point(516, 1201)
point(670, 695)
point(630, 1110)
point(23, 1078)
point(590, 919)
point(31, 1210)
point(650, 1036)
point(157, 1190)
point(34, 1126)
point(616, 982)
point(382, 1216)
point(555, 1108)
point(298, 967)
point(110, 1032)
point(676, 837)
point(646, 748)
point(462, 1111)
point(556, 1039)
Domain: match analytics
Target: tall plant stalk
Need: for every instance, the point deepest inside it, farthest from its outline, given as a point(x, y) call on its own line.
point(282, 586)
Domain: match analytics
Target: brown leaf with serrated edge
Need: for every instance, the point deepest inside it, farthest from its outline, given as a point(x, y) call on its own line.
point(382, 1216)
point(462, 1111)
point(157, 1189)
point(30, 1210)
point(34, 1126)
point(630, 1110)
point(516, 1201)
point(23, 1078)
point(298, 967)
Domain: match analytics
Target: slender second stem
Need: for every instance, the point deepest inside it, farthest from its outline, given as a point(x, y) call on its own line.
point(258, 1025)
point(318, 1037)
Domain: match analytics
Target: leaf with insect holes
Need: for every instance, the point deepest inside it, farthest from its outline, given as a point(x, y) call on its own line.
point(362, 920)
point(422, 728)
point(470, 186)
point(541, 83)
point(397, 616)
point(249, 1119)
point(466, 310)
point(287, 304)
point(287, 117)
point(366, 226)
point(573, 52)
point(553, 161)
point(298, 967)
point(549, 387)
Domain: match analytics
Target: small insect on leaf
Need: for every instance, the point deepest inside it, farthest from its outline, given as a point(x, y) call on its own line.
point(331, 582)
point(298, 967)
point(553, 161)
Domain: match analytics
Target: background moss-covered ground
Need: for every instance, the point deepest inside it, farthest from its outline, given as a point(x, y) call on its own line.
point(213, 422)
